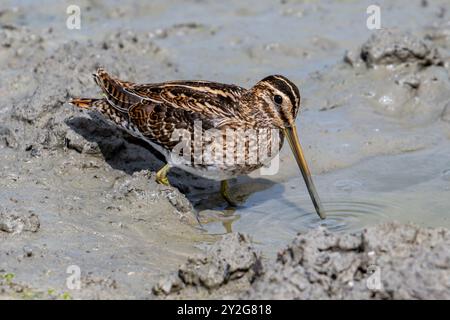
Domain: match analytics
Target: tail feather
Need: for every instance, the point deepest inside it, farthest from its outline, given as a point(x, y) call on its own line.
point(104, 108)
point(83, 103)
point(114, 90)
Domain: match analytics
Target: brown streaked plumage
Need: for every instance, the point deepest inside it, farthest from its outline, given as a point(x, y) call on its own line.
point(155, 112)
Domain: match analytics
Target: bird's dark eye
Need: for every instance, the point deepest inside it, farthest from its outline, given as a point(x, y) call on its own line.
point(278, 99)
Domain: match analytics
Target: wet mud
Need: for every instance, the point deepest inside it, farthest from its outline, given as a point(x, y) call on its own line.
point(388, 261)
point(75, 191)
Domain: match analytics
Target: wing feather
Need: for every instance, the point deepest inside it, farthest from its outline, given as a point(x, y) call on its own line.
point(208, 98)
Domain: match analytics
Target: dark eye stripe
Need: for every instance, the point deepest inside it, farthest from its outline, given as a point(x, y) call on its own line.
point(285, 86)
point(293, 89)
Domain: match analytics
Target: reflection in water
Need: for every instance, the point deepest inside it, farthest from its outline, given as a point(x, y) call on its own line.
point(350, 215)
point(342, 215)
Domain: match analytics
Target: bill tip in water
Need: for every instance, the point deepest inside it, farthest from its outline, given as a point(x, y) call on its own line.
point(322, 214)
point(319, 209)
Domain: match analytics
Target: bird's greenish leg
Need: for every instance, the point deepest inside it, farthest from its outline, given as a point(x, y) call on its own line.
point(161, 175)
point(225, 192)
point(227, 226)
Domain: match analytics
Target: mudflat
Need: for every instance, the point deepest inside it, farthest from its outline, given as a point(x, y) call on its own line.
point(375, 125)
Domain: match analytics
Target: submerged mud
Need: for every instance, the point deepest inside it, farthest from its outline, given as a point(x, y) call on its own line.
point(77, 192)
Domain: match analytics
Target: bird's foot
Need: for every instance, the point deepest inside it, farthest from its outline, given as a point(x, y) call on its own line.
point(224, 191)
point(161, 175)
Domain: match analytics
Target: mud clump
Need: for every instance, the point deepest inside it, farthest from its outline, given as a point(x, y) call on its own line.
point(389, 261)
point(405, 77)
point(392, 47)
point(12, 223)
point(7, 138)
point(230, 259)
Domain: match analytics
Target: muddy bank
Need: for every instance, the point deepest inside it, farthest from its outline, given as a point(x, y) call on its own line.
point(75, 191)
point(389, 261)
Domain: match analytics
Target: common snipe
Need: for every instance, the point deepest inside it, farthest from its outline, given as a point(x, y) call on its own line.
point(155, 112)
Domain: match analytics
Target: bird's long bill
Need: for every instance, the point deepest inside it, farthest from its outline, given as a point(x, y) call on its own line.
point(291, 135)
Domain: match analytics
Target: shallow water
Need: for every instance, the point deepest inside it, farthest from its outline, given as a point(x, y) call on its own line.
point(411, 187)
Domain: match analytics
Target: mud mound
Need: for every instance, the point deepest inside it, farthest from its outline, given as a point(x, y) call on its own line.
point(12, 223)
point(388, 261)
point(389, 47)
point(228, 260)
point(410, 263)
point(392, 47)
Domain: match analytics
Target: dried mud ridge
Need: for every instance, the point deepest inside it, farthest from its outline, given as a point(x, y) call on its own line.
point(411, 262)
